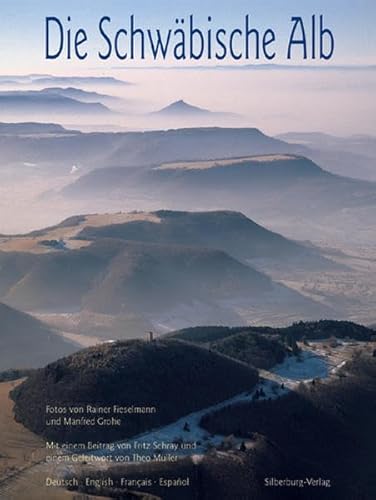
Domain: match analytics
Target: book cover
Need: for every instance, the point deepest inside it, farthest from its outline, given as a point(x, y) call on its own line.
point(187, 250)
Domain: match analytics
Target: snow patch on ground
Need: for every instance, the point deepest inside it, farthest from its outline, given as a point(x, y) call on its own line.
point(306, 366)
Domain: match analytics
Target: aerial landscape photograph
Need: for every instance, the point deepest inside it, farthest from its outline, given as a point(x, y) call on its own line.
point(188, 250)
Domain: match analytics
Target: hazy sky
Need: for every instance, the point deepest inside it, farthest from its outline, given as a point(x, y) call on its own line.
point(22, 37)
point(276, 101)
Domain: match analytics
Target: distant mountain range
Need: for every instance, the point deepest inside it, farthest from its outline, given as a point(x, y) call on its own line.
point(80, 81)
point(31, 128)
point(309, 330)
point(133, 149)
point(51, 80)
point(230, 232)
point(44, 101)
point(117, 277)
point(352, 157)
point(281, 190)
point(241, 169)
point(81, 95)
point(154, 148)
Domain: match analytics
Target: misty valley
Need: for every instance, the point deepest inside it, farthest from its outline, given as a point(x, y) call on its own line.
point(187, 300)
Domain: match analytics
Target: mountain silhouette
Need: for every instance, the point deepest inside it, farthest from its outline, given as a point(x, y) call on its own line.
point(183, 109)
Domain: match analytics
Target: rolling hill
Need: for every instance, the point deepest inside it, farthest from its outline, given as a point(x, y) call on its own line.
point(268, 185)
point(244, 174)
point(173, 377)
point(82, 95)
point(164, 269)
point(31, 128)
point(95, 150)
point(194, 144)
point(112, 276)
point(26, 342)
point(309, 330)
point(228, 231)
point(205, 169)
point(222, 180)
point(244, 178)
point(40, 80)
point(264, 347)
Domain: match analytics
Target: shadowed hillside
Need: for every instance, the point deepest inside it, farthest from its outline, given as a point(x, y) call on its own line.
point(113, 275)
point(27, 343)
point(171, 376)
point(154, 277)
point(231, 232)
point(31, 128)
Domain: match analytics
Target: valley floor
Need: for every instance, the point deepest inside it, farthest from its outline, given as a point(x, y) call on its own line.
point(350, 290)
